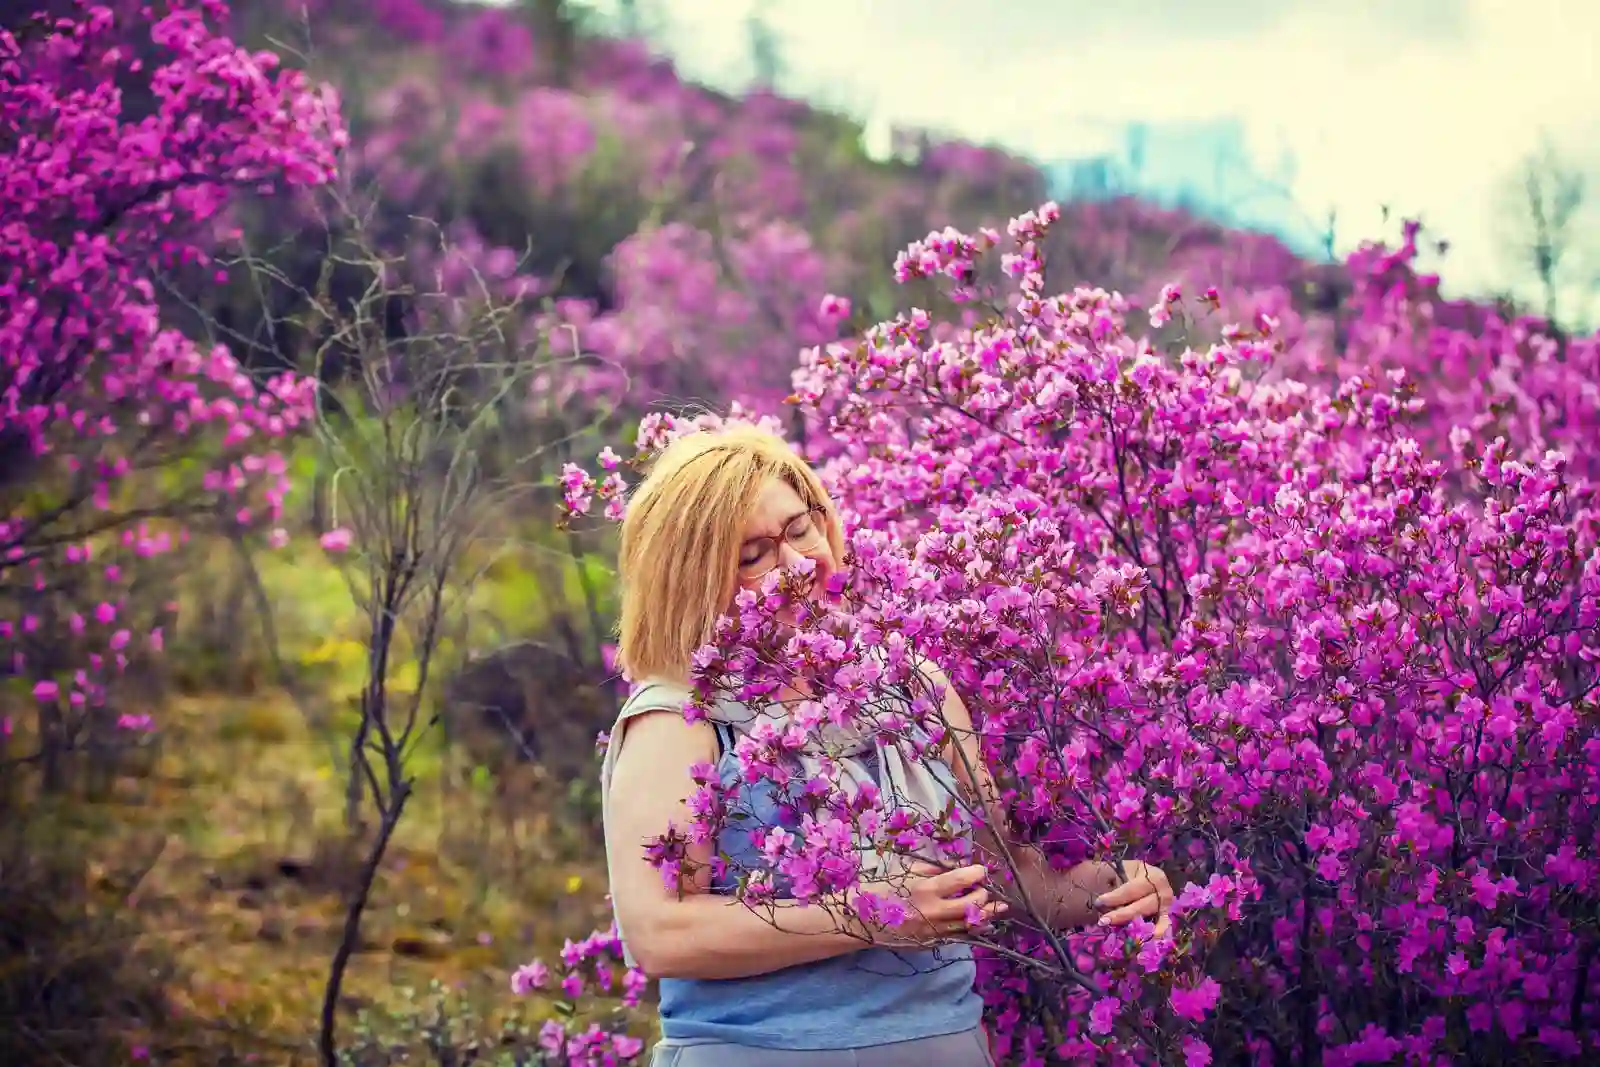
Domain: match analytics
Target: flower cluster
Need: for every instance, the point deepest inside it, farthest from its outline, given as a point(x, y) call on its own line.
point(588, 966)
point(1316, 629)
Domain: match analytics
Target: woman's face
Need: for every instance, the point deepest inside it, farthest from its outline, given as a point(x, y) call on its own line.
point(780, 532)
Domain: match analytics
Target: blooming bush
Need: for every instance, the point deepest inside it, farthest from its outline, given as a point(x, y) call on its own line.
point(124, 129)
point(589, 967)
point(1321, 636)
point(448, 1030)
point(685, 294)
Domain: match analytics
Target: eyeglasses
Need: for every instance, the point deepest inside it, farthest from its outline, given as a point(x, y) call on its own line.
point(760, 555)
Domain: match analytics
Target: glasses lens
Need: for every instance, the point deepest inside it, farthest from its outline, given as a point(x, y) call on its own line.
point(804, 533)
point(760, 560)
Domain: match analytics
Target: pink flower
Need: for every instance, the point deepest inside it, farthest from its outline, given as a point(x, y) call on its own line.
point(834, 307)
point(1196, 1053)
point(529, 977)
point(1196, 1001)
point(337, 540)
point(1103, 1016)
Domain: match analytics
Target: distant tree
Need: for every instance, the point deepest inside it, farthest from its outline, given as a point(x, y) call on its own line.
point(1544, 197)
point(766, 58)
point(556, 26)
point(639, 19)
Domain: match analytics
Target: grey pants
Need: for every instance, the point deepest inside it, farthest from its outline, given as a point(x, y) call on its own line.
point(967, 1049)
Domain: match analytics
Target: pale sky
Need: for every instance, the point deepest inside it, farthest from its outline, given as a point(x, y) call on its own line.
point(1424, 105)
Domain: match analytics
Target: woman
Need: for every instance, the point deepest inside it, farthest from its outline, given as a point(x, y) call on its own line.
point(718, 511)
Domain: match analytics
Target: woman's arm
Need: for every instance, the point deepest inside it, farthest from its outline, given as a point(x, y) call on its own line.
point(1090, 892)
point(699, 935)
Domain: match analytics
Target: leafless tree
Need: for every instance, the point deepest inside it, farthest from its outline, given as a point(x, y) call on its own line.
point(1545, 197)
point(425, 443)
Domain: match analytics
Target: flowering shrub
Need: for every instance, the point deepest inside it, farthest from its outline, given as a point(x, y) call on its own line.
point(589, 967)
point(1324, 643)
point(678, 301)
point(114, 427)
point(448, 1030)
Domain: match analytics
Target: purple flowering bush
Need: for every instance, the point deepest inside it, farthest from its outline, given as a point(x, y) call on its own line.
point(589, 967)
point(127, 127)
point(448, 1029)
point(1313, 625)
point(675, 304)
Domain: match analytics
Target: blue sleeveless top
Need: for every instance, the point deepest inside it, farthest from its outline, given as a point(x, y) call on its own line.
point(875, 996)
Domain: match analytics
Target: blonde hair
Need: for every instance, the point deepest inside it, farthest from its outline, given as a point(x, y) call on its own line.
point(685, 521)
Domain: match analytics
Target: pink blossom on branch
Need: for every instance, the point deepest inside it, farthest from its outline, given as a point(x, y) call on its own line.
point(588, 967)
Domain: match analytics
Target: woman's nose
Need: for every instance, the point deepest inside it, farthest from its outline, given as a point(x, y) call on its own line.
point(787, 556)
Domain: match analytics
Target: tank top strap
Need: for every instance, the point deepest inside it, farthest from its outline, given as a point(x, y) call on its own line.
point(725, 738)
point(654, 696)
point(648, 697)
point(670, 696)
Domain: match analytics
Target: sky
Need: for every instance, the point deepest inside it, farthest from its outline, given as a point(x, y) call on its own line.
point(1422, 105)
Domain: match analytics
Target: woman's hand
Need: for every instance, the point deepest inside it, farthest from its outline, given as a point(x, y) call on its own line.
point(939, 903)
point(1147, 893)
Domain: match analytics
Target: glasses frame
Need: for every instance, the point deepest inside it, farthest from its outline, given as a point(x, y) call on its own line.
point(784, 538)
